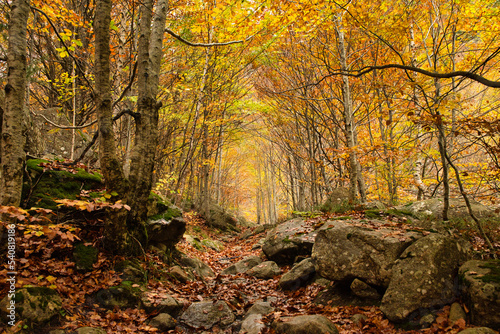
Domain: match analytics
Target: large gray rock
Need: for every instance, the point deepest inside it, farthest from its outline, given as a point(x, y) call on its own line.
point(481, 290)
point(305, 324)
point(166, 232)
point(288, 240)
point(424, 277)
point(433, 209)
point(35, 306)
point(204, 315)
point(265, 270)
point(343, 253)
point(242, 266)
point(298, 276)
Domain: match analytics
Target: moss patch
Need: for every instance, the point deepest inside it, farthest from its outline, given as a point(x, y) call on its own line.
point(85, 256)
point(41, 188)
point(494, 275)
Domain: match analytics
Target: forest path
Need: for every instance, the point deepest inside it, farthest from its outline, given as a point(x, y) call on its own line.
point(241, 291)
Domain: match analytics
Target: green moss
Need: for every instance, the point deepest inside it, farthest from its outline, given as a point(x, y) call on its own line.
point(43, 188)
point(85, 256)
point(494, 275)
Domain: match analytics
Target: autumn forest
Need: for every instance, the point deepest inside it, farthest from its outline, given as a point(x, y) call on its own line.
point(264, 109)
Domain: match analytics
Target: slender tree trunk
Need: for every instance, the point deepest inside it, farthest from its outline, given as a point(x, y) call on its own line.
point(12, 139)
point(349, 119)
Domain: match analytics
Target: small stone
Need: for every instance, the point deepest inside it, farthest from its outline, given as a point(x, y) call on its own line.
point(456, 313)
point(163, 322)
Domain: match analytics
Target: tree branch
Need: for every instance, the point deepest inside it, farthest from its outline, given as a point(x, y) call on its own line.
point(447, 75)
point(205, 45)
point(65, 127)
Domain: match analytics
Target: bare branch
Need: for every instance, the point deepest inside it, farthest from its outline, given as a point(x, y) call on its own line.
point(205, 45)
point(64, 127)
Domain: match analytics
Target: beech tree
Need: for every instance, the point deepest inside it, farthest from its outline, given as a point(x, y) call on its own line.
point(12, 155)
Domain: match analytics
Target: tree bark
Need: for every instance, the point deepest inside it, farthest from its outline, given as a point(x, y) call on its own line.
point(149, 60)
point(349, 119)
point(12, 139)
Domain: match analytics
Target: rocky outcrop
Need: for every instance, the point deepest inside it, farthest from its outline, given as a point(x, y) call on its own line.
point(305, 324)
point(36, 306)
point(433, 209)
point(166, 232)
point(287, 241)
point(344, 252)
point(298, 276)
point(204, 315)
point(242, 266)
point(424, 276)
point(481, 291)
point(265, 270)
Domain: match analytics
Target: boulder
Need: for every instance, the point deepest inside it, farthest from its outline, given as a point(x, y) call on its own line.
point(298, 276)
point(197, 266)
point(481, 291)
point(433, 209)
point(166, 232)
point(160, 303)
point(343, 252)
point(221, 218)
point(242, 266)
point(163, 322)
point(252, 324)
point(34, 305)
point(305, 324)
point(265, 270)
point(121, 296)
point(287, 241)
point(180, 275)
point(204, 315)
point(424, 277)
point(262, 308)
point(337, 201)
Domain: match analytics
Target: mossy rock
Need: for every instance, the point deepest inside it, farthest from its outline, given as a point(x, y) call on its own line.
point(41, 188)
point(159, 207)
point(85, 257)
point(123, 296)
point(35, 305)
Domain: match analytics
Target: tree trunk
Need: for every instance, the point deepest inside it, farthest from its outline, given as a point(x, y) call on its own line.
point(149, 57)
point(349, 119)
point(12, 139)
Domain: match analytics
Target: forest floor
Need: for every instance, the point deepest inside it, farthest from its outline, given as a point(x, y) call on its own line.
point(47, 261)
